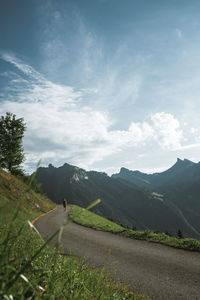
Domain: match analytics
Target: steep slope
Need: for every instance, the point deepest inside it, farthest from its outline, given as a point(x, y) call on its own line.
point(122, 201)
point(184, 192)
point(180, 184)
point(14, 191)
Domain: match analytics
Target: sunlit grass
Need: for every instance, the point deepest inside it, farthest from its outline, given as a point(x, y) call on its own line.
point(89, 219)
point(84, 217)
point(162, 238)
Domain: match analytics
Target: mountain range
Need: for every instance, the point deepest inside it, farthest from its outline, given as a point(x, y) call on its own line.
point(166, 201)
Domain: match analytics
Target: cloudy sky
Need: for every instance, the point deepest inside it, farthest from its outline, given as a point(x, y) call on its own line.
point(103, 84)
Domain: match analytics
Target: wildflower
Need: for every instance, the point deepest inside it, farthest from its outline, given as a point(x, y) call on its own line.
point(33, 227)
point(41, 288)
point(24, 278)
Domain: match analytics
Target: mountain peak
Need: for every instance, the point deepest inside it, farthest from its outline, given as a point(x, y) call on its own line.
point(50, 166)
point(184, 161)
point(123, 170)
point(178, 160)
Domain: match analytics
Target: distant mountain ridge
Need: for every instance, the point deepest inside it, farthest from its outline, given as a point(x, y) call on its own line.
point(157, 179)
point(130, 198)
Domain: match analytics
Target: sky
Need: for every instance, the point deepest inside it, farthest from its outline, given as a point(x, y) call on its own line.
point(103, 84)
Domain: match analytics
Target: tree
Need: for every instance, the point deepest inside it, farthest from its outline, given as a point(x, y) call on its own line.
point(11, 150)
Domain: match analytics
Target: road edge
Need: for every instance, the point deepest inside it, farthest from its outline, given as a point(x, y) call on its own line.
point(34, 220)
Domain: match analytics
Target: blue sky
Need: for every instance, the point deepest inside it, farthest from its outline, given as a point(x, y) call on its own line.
point(103, 84)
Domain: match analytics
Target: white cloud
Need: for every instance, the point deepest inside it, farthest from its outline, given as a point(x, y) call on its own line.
point(36, 87)
point(61, 129)
point(190, 146)
point(167, 130)
point(26, 69)
point(194, 131)
point(82, 56)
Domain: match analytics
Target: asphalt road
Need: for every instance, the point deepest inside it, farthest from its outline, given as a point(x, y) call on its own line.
point(159, 271)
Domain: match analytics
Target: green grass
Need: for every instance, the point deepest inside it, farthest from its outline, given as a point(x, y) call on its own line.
point(84, 217)
point(162, 238)
point(89, 219)
point(29, 268)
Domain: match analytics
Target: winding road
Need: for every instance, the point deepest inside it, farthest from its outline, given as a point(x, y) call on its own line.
point(159, 271)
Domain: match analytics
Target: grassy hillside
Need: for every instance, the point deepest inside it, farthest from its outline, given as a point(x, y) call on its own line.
point(29, 268)
point(89, 219)
point(12, 189)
